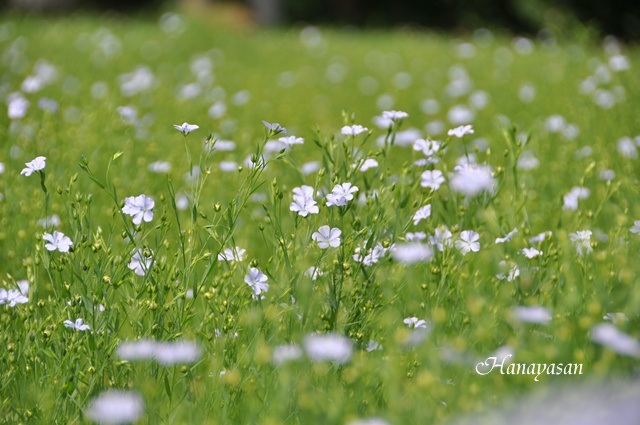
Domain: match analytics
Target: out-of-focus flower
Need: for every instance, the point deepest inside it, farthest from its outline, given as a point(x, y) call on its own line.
point(139, 263)
point(636, 227)
point(291, 140)
point(461, 131)
point(432, 179)
point(570, 200)
point(78, 325)
point(115, 407)
point(582, 241)
point(232, 254)
point(341, 194)
point(608, 335)
point(328, 347)
point(411, 253)
point(442, 238)
point(533, 314)
point(367, 164)
point(531, 252)
point(414, 323)
point(394, 115)
point(472, 179)
point(507, 237)
point(353, 130)
point(186, 128)
point(422, 213)
point(285, 353)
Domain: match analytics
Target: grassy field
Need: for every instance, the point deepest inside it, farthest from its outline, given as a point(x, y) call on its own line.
point(527, 247)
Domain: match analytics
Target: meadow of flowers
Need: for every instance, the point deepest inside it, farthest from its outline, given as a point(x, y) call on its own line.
point(207, 225)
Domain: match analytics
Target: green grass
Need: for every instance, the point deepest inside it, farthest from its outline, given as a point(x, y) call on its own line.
point(49, 373)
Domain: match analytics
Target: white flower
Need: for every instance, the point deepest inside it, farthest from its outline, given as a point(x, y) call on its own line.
point(432, 179)
point(472, 179)
point(303, 202)
point(341, 194)
point(616, 318)
point(627, 148)
point(159, 167)
point(78, 325)
point(57, 242)
point(460, 131)
point(310, 167)
point(527, 161)
point(421, 214)
point(636, 227)
point(327, 237)
point(608, 335)
point(186, 128)
point(414, 323)
point(372, 256)
point(328, 347)
point(274, 128)
point(570, 200)
point(468, 242)
point(232, 254)
point(17, 106)
point(291, 140)
point(411, 253)
point(368, 164)
point(37, 164)
point(582, 240)
point(114, 407)
point(257, 281)
point(143, 349)
point(533, 314)
point(353, 130)
point(428, 147)
point(177, 352)
point(373, 346)
point(139, 263)
point(285, 353)
point(540, 237)
point(531, 252)
point(442, 238)
point(52, 220)
point(313, 273)
point(13, 297)
point(507, 237)
point(368, 421)
point(415, 237)
point(139, 207)
point(511, 274)
point(394, 115)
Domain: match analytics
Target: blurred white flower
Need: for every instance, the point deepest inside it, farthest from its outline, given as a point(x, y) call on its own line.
point(186, 128)
point(534, 314)
point(326, 237)
point(427, 146)
point(78, 325)
point(138, 81)
point(13, 297)
point(415, 237)
point(394, 115)
point(353, 130)
point(139, 263)
point(531, 252)
point(313, 273)
point(411, 253)
point(115, 407)
point(442, 238)
point(608, 335)
point(139, 207)
point(368, 421)
point(540, 237)
point(510, 271)
point(414, 323)
point(177, 352)
point(310, 167)
point(37, 164)
point(507, 237)
point(636, 227)
point(159, 167)
point(257, 281)
point(372, 257)
point(57, 242)
point(422, 213)
point(468, 242)
point(285, 353)
point(367, 164)
point(291, 140)
point(472, 179)
point(432, 179)
point(527, 161)
point(627, 148)
point(17, 106)
point(570, 200)
point(328, 347)
point(373, 346)
point(461, 131)
point(616, 318)
point(582, 241)
point(52, 220)
point(232, 254)
point(142, 349)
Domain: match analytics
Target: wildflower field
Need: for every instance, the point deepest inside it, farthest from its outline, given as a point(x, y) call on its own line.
point(205, 225)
